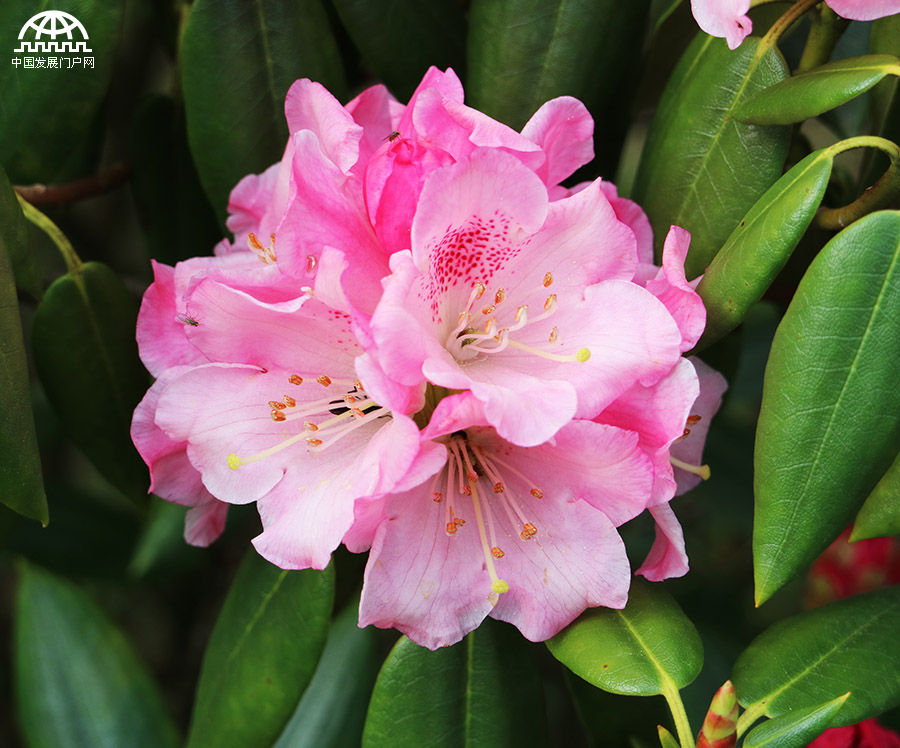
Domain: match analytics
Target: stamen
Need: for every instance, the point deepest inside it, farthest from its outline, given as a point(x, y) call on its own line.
point(289, 401)
point(500, 295)
point(702, 470)
point(581, 355)
point(693, 420)
point(277, 415)
point(490, 309)
point(496, 552)
point(437, 497)
point(295, 379)
point(554, 335)
point(548, 279)
point(324, 380)
point(550, 303)
point(277, 405)
point(311, 263)
point(314, 442)
point(265, 254)
point(528, 531)
point(310, 426)
point(537, 493)
point(497, 585)
point(234, 462)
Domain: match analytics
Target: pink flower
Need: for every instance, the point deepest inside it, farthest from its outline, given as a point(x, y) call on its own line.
point(868, 734)
point(846, 568)
point(728, 18)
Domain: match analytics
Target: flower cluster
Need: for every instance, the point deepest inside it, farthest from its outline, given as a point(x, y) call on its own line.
point(420, 344)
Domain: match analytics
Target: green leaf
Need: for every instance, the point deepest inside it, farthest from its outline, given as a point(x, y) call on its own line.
point(176, 216)
point(399, 39)
point(524, 52)
point(666, 739)
point(238, 60)
point(880, 514)
point(261, 655)
point(815, 91)
point(660, 10)
point(646, 649)
point(803, 661)
point(332, 712)
point(701, 169)
point(87, 361)
point(78, 681)
point(761, 244)
point(21, 484)
point(162, 536)
point(483, 691)
point(795, 729)
point(829, 424)
point(14, 234)
point(48, 117)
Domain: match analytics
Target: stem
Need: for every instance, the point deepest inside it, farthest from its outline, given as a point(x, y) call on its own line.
point(54, 194)
point(752, 714)
point(32, 214)
point(783, 24)
point(827, 28)
point(679, 715)
point(879, 195)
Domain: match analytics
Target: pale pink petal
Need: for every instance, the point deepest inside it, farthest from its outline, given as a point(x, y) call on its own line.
point(723, 18)
point(633, 216)
point(455, 413)
point(204, 523)
point(387, 392)
point(667, 557)
point(247, 205)
point(379, 113)
point(564, 129)
point(368, 514)
point(309, 106)
point(690, 449)
point(864, 10)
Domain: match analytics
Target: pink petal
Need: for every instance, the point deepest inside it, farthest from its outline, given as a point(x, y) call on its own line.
point(204, 523)
point(633, 216)
point(309, 106)
point(387, 392)
point(247, 205)
point(723, 18)
point(379, 113)
point(864, 10)
point(564, 129)
point(667, 557)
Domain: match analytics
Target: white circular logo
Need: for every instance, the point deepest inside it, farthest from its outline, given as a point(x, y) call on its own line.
point(52, 24)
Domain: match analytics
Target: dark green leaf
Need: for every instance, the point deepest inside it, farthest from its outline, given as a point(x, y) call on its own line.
point(660, 10)
point(47, 117)
point(803, 661)
point(78, 681)
point(332, 712)
point(483, 691)
point(87, 360)
point(21, 485)
point(701, 169)
point(525, 52)
point(759, 247)
point(815, 91)
point(646, 649)
point(238, 60)
point(261, 655)
point(399, 39)
point(796, 729)
point(176, 215)
point(162, 536)
point(829, 424)
point(14, 234)
point(880, 515)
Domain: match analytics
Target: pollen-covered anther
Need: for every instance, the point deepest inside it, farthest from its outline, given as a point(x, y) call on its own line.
point(467, 490)
point(528, 531)
point(548, 279)
point(554, 335)
point(265, 254)
point(537, 493)
point(277, 415)
point(693, 420)
point(349, 399)
point(497, 552)
point(459, 521)
point(314, 442)
point(289, 401)
point(450, 528)
point(437, 497)
point(479, 289)
point(324, 380)
point(310, 426)
point(521, 312)
point(311, 263)
point(276, 405)
point(490, 327)
point(359, 386)
point(490, 309)
point(500, 295)
point(357, 412)
point(550, 303)
point(295, 379)
point(499, 487)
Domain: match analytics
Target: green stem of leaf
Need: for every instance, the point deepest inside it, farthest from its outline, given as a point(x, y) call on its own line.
point(746, 720)
point(778, 28)
point(827, 28)
point(679, 715)
point(32, 214)
point(879, 195)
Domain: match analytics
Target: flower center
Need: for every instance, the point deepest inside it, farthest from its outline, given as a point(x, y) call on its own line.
point(488, 326)
point(325, 420)
point(457, 486)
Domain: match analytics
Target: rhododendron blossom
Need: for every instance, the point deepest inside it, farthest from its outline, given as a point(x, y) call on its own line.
point(728, 18)
point(419, 343)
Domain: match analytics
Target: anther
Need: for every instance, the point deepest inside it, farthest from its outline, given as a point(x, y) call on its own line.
point(537, 493)
point(310, 426)
point(521, 312)
point(499, 487)
point(490, 309)
point(496, 552)
point(548, 279)
point(550, 303)
point(467, 490)
point(450, 528)
point(693, 420)
point(234, 462)
point(500, 295)
point(276, 405)
point(479, 290)
point(554, 335)
point(528, 531)
point(459, 521)
point(289, 401)
point(357, 412)
point(277, 415)
point(324, 380)
point(295, 379)
point(359, 386)
point(311, 263)
point(437, 498)
point(314, 442)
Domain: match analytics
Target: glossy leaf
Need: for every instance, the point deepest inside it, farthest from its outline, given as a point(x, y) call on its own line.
point(701, 169)
point(666, 739)
point(78, 681)
point(660, 10)
point(796, 729)
point(261, 655)
point(332, 712)
point(880, 514)
point(524, 52)
point(21, 484)
point(162, 536)
point(87, 360)
point(486, 690)
point(646, 649)
point(761, 244)
point(14, 234)
point(829, 423)
point(805, 660)
point(815, 91)
point(47, 117)
point(238, 60)
point(399, 39)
